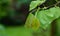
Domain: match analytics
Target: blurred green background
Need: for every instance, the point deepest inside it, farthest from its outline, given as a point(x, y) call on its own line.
point(13, 14)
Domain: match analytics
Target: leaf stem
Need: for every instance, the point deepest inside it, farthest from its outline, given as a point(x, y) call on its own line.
point(37, 11)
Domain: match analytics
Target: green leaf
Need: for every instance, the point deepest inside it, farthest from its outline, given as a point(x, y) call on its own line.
point(46, 17)
point(32, 22)
point(42, 18)
point(35, 24)
point(29, 20)
point(34, 4)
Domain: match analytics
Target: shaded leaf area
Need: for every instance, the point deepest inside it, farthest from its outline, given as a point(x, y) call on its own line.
point(43, 32)
point(58, 27)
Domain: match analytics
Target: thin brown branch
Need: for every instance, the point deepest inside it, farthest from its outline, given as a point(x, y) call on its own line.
point(52, 5)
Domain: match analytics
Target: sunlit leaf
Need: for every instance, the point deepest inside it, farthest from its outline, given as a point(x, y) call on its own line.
point(34, 4)
point(46, 17)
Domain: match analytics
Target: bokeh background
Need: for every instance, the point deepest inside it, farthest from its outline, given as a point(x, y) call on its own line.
point(13, 14)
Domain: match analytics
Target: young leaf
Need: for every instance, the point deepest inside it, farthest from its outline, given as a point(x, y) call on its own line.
point(32, 22)
point(46, 17)
point(35, 24)
point(29, 20)
point(34, 4)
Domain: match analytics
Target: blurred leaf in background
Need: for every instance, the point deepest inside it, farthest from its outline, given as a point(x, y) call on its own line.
point(2, 30)
point(4, 5)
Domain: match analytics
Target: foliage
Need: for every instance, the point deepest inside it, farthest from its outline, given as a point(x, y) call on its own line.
point(35, 4)
point(32, 22)
point(42, 17)
point(45, 17)
point(4, 7)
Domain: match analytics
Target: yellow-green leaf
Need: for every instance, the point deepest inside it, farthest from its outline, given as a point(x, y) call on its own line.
point(32, 22)
point(29, 20)
point(35, 24)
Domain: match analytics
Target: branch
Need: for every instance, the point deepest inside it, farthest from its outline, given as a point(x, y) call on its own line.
point(52, 5)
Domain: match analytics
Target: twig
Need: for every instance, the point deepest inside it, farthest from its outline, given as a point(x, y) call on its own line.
point(52, 5)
